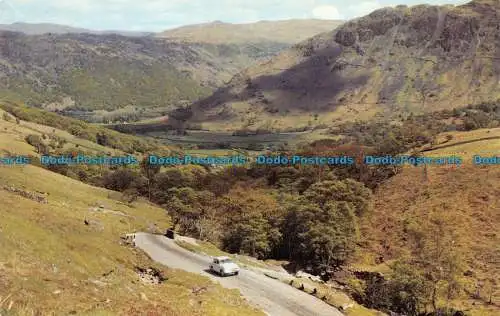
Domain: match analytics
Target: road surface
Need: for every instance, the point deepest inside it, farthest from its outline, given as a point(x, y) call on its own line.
point(274, 297)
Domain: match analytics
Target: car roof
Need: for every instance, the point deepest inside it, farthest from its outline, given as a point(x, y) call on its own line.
point(222, 258)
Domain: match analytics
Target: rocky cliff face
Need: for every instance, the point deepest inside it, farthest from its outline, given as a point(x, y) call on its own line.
point(394, 60)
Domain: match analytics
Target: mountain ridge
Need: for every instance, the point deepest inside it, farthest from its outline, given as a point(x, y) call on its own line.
point(393, 61)
point(285, 31)
point(83, 71)
point(115, 77)
point(44, 28)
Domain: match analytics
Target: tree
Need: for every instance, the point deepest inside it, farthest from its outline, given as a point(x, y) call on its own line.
point(102, 139)
point(490, 285)
point(209, 225)
point(76, 130)
point(253, 221)
point(119, 180)
point(408, 289)
point(164, 181)
point(435, 244)
point(390, 145)
point(149, 171)
point(37, 142)
point(321, 227)
point(347, 190)
point(403, 291)
point(249, 235)
point(325, 236)
point(187, 207)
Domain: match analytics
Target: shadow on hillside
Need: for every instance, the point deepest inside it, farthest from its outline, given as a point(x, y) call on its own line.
point(311, 85)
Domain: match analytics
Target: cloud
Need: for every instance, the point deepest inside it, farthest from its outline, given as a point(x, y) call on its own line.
point(327, 12)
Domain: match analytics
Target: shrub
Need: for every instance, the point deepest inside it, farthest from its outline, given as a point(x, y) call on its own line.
point(6, 117)
point(37, 142)
point(119, 180)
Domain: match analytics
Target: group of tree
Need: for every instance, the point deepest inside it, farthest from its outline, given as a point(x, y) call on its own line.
point(405, 133)
point(430, 278)
point(288, 213)
point(307, 214)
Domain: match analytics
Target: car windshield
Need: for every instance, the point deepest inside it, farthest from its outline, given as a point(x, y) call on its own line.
point(226, 261)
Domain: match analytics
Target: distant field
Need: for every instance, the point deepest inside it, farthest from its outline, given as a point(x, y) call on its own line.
point(467, 144)
point(219, 152)
point(266, 140)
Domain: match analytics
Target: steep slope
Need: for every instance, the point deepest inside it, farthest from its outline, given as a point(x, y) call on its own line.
point(438, 204)
point(394, 60)
point(286, 31)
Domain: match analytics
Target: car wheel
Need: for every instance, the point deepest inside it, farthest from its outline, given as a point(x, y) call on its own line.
point(236, 273)
point(222, 273)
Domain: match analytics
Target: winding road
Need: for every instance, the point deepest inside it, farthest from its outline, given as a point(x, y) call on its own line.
point(274, 297)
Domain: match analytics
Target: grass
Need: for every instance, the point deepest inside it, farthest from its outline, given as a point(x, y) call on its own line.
point(468, 144)
point(46, 121)
point(15, 133)
point(52, 263)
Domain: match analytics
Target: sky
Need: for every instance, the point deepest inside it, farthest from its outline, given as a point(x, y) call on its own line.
point(158, 15)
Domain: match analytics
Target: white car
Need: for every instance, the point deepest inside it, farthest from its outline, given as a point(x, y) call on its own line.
point(224, 266)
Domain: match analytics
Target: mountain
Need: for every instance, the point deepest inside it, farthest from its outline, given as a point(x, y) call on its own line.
point(105, 76)
point(44, 28)
point(91, 72)
point(393, 61)
point(286, 31)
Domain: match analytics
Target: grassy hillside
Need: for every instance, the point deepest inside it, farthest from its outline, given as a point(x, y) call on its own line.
point(392, 61)
point(78, 132)
point(54, 263)
point(465, 198)
point(286, 31)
